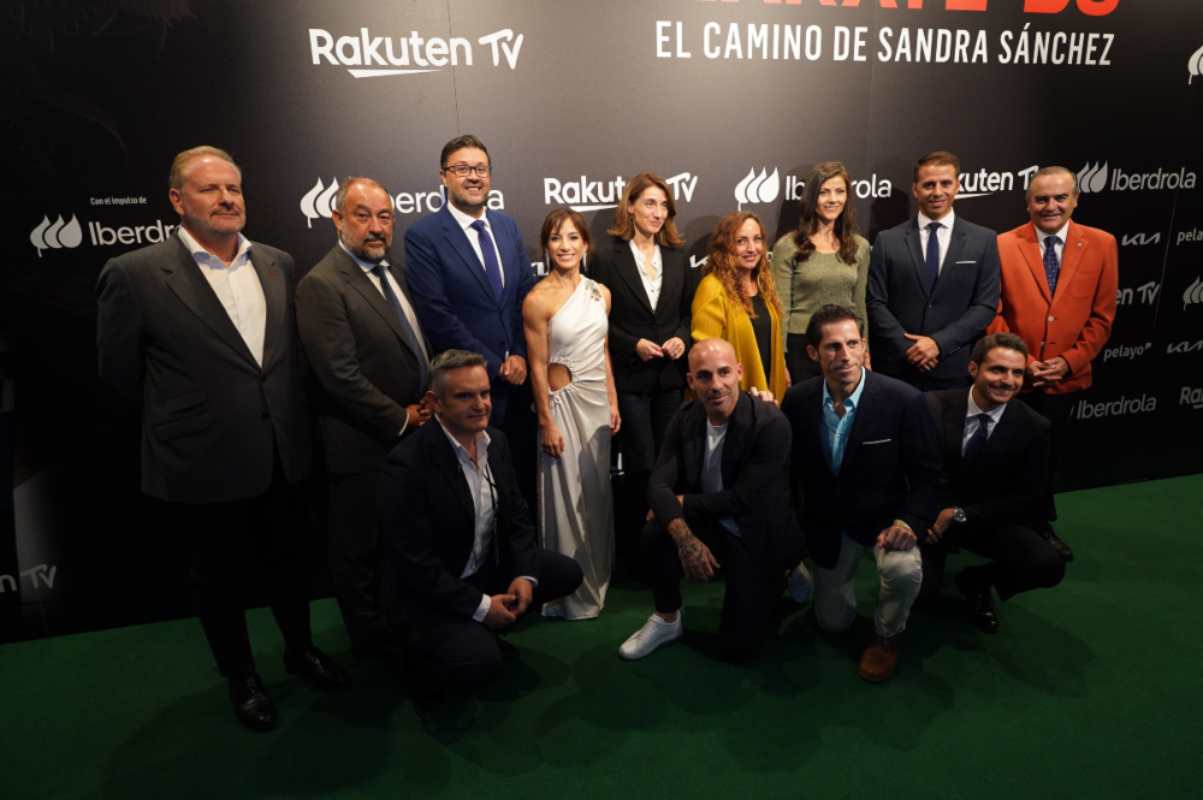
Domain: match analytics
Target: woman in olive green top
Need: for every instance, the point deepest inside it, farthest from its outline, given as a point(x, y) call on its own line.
point(824, 261)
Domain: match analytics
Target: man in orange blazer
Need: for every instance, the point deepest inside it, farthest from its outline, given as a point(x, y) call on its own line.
point(1059, 284)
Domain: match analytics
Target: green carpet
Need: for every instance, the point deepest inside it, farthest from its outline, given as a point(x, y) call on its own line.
point(1086, 692)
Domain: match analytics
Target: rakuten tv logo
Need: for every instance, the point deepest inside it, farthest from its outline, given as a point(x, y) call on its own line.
point(586, 194)
point(368, 56)
point(1191, 396)
point(319, 202)
point(56, 235)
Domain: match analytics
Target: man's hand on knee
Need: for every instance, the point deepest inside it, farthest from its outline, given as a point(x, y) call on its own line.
point(898, 536)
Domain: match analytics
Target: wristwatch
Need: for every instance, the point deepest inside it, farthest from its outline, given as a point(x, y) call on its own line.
point(958, 516)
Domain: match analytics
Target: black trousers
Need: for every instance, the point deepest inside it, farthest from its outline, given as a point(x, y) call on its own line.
point(1021, 559)
point(462, 651)
point(353, 527)
point(755, 581)
point(243, 552)
point(1055, 408)
point(645, 419)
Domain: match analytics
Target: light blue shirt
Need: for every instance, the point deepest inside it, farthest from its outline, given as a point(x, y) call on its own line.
point(836, 427)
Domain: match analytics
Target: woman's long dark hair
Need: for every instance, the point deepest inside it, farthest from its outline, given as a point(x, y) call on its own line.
point(845, 223)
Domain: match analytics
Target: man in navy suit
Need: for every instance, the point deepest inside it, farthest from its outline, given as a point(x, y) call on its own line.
point(468, 275)
point(933, 284)
point(865, 470)
point(996, 463)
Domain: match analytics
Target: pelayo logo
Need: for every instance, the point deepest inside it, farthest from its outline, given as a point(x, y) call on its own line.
point(56, 235)
point(757, 187)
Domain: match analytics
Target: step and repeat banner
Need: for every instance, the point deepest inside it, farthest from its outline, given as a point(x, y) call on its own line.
point(731, 101)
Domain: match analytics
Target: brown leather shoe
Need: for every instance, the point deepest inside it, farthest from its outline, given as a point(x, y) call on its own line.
point(879, 660)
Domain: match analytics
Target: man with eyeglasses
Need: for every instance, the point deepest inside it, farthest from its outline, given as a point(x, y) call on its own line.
point(458, 535)
point(469, 273)
point(370, 363)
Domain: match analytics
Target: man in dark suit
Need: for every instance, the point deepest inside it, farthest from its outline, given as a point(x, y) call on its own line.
point(458, 533)
point(865, 471)
point(933, 284)
point(366, 352)
point(200, 328)
point(719, 491)
point(996, 462)
point(468, 274)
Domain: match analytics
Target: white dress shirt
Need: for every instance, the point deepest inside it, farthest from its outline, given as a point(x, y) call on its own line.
point(652, 275)
point(971, 421)
point(465, 222)
point(1060, 246)
point(479, 476)
point(237, 288)
point(943, 235)
point(480, 486)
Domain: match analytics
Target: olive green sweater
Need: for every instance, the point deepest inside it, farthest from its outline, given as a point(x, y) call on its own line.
point(821, 279)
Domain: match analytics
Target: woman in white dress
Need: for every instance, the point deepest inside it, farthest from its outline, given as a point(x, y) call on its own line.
point(565, 319)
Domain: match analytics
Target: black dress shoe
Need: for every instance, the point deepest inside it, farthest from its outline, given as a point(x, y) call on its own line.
point(981, 604)
point(317, 667)
point(1060, 546)
point(252, 706)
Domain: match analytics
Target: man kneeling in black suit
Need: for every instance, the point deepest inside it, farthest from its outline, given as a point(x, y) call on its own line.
point(996, 461)
point(458, 535)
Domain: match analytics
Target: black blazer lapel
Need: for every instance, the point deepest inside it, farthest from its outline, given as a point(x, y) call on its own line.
point(918, 264)
point(443, 456)
point(693, 446)
point(956, 247)
point(628, 270)
point(953, 423)
point(184, 279)
point(362, 284)
point(275, 295)
point(739, 428)
point(865, 407)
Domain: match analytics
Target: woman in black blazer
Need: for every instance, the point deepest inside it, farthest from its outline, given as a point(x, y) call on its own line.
point(651, 285)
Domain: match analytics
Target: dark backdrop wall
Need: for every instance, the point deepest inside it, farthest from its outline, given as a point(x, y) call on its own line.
point(731, 101)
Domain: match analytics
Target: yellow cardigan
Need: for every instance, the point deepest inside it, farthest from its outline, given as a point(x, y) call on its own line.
point(717, 316)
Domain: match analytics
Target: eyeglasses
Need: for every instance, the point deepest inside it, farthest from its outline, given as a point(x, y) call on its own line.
point(462, 170)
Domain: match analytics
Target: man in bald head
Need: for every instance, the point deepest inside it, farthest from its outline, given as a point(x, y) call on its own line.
point(719, 500)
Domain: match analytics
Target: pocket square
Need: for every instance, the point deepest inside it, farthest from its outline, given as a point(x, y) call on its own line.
point(876, 441)
point(968, 262)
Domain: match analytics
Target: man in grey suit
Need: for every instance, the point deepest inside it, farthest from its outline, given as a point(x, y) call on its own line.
point(369, 360)
point(933, 284)
point(200, 328)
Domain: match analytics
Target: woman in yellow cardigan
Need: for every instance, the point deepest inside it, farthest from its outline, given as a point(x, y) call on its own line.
point(737, 301)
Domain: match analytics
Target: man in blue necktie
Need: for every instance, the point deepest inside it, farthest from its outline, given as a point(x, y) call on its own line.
point(996, 462)
point(469, 273)
point(933, 284)
point(370, 361)
point(1059, 282)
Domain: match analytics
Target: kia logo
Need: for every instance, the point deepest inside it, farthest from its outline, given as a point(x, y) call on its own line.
point(1139, 239)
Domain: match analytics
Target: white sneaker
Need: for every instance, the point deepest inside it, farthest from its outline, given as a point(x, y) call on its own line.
point(655, 632)
point(800, 586)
